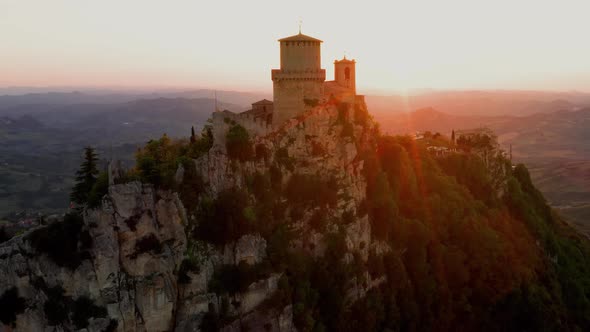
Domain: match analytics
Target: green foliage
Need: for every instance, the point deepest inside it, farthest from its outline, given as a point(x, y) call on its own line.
point(191, 187)
point(238, 143)
point(200, 145)
point(211, 321)
point(462, 258)
point(66, 243)
point(452, 238)
point(56, 308)
point(99, 189)
point(311, 190)
point(60, 309)
point(187, 265)
point(224, 219)
point(234, 279)
point(569, 274)
point(11, 304)
point(470, 172)
point(149, 243)
point(278, 246)
point(83, 309)
point(158, 161)
point(85, 177)
point(381, 206)
point(112, 327)
point(4, 236)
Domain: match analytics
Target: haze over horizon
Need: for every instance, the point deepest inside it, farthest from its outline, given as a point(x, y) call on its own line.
point(538, 45)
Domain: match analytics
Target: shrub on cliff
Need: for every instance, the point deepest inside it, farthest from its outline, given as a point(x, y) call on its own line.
point(149, 243)
point(4, 235)
point(312, 190)
point(238, 143)
point(83, 309)
point(158, 161)
point(11, 304)
point(234, 279)
point(65, 242)
point(224, 219)
point(99, 189)
point(56, 308)
point(60, 309)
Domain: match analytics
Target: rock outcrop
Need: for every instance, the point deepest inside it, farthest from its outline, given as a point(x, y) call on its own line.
point(136, 265)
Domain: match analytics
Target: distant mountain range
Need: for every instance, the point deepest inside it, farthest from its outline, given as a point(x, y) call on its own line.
point(481, 103)
point(12, 104)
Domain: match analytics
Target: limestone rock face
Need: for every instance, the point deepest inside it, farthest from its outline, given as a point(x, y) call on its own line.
point(138, 289)
point(135, 266)
point(250, 248)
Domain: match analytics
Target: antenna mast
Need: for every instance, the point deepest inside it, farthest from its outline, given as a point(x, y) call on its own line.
point(215, 110)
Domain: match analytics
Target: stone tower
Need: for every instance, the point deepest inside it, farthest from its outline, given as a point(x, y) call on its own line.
point(344, 74)
point(300, 77)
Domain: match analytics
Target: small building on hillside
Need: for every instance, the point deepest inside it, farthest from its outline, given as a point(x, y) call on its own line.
point(261, 111)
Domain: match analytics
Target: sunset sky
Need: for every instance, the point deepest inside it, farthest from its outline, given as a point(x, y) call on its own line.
point(541, 45)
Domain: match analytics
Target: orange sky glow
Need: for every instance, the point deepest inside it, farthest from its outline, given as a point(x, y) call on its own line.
point(398, 45)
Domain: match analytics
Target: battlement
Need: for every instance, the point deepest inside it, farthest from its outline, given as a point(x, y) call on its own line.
point(312, 75)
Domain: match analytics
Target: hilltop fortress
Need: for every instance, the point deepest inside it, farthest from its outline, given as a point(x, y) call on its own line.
point(298, 85)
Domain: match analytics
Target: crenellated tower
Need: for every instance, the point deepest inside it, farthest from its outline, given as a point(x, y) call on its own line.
point(300, 79)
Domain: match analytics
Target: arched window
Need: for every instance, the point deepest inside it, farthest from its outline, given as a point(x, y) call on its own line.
point(347, 73)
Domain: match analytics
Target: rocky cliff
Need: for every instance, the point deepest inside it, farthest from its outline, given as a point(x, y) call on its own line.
point(321, 224)
point(134, 264)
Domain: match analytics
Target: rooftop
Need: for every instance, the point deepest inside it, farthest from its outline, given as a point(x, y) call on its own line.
point(300, 37)
point(262, 102)
point(344, 60)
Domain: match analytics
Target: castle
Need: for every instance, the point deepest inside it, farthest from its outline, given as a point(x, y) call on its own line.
point(299, 85)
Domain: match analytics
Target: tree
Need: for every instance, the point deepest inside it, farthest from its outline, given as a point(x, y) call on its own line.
point(193, 137)
point(4, 235)
point(85, 177)
point(238, 143)
point(453, 136)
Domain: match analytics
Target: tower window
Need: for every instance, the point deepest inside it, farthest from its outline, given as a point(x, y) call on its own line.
point(347, 73)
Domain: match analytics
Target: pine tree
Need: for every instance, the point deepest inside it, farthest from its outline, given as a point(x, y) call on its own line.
point(193, 137)
point(85, 177)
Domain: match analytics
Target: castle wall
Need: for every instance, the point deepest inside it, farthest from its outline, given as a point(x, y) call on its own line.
point(222, 121)
point(289, 97)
